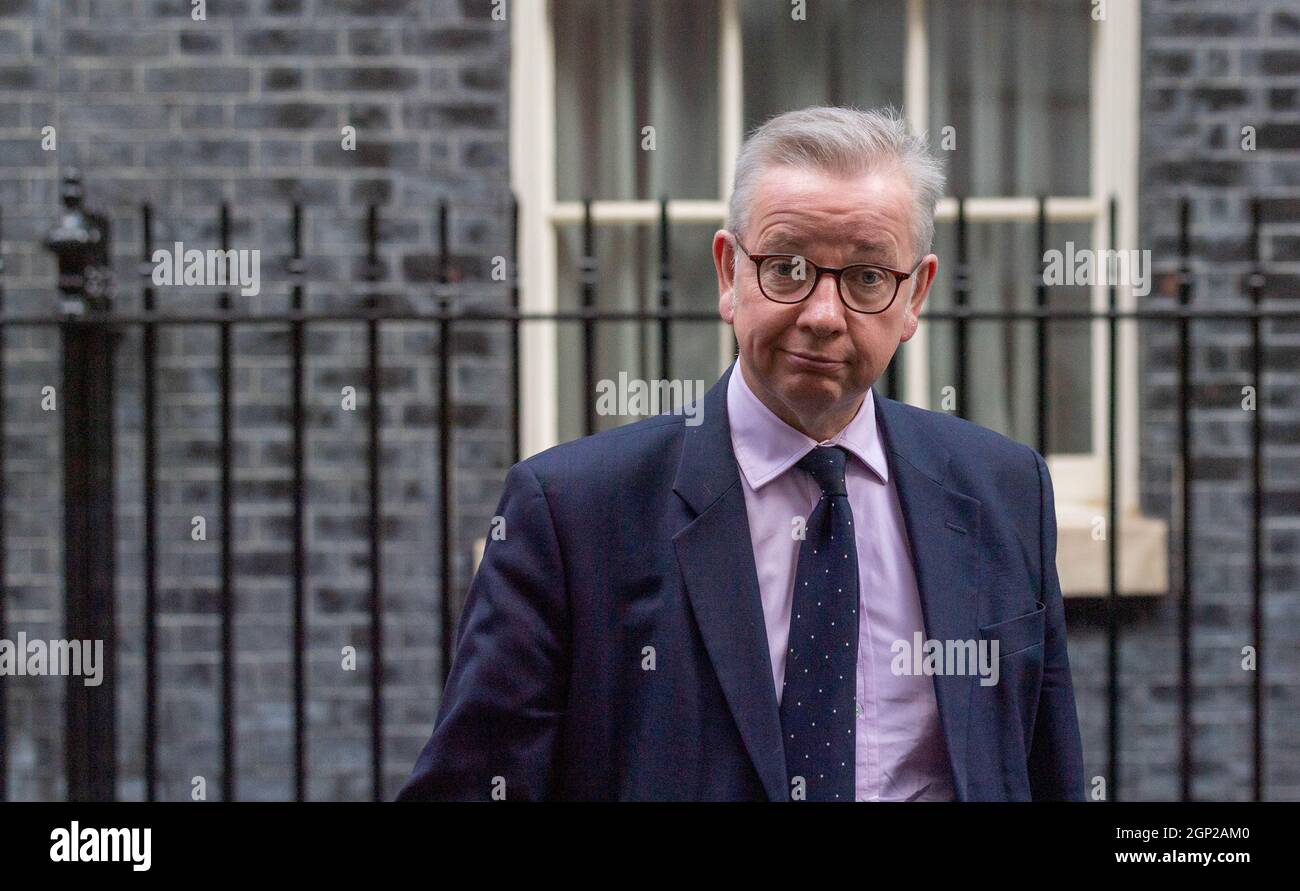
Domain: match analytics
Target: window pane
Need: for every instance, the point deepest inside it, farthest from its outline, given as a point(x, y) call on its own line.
point(845, 53)
point(1012, 78)
point(620, 66)
point(1002, 379)
point(628, 270)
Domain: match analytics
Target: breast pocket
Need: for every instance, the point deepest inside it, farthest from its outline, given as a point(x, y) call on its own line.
point(1018, 634)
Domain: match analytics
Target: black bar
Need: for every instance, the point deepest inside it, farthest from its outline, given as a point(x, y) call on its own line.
point(4, 627)
point(1185, 481)
point(445, 421)
point(444, 490)
point(90, 744)
point(1256, 291)
point(227, 558)
point(665, 292)
point(299, 543)
point(1040, 331)
point(516, 424)
point(1112, 519)
point(588, 273)
point(891, 374)
point(150, 433)
point(373, 519)
point(81, 243)
point(961, 299)
point(444, 245)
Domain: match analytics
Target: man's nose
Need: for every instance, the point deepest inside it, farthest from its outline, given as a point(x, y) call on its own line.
point(822, 308)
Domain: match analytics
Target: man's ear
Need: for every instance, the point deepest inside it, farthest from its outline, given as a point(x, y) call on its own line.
point(724, 261)
point(920, 282)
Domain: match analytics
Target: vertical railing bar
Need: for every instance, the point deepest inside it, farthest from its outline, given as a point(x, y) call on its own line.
point(82, 244)
point(444, 245)
point(1040, 332)
point(1112, 502)
point(445, 420)
point(588, 323)
point(75, 496)
point(515, 371)
point(665, 290)
point(375, 513)
point(150, 470)
point(226, 455)
point(961, 298)
point(299, 551)
point(1256, 291)
point(1185, 480)
point(4, 628)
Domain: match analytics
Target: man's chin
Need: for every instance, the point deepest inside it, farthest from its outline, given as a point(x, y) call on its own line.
point(811, 391)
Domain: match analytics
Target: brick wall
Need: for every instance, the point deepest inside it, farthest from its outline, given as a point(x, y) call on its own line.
point(247, 107)
point(1210, 69)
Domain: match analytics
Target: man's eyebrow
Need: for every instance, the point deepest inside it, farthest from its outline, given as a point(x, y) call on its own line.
point(790, 240)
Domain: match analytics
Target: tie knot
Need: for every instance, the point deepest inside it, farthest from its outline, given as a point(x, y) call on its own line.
point(826, 465)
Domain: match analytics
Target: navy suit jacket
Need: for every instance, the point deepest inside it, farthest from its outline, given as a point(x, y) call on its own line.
point(612, 645)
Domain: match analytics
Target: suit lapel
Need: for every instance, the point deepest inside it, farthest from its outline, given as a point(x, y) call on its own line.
point(943, 528)
point(716, 558)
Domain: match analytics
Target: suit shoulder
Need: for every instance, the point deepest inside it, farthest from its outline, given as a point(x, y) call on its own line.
point(609, 453)
point(968, 441)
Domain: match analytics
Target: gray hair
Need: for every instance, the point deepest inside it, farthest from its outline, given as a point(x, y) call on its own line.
point(841, 141)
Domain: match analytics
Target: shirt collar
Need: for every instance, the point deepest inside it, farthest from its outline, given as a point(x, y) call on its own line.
point(767, 446)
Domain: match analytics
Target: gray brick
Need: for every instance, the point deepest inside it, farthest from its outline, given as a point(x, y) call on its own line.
point(117, 42)
point(282, 79)
point(201, 42)
point(287, 41)
point(367, 78)
point(187, 152)
point(20, 77)
point(285, 116)
point(377, 8)
point(447, 39)
point(367, 154)
point(207, 79)
point(372, 42)
point(443, 115)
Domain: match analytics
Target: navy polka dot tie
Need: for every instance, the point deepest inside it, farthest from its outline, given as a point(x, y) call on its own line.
point(817, 700)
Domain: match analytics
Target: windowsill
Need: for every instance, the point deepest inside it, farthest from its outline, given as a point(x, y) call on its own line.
point(1082, 560)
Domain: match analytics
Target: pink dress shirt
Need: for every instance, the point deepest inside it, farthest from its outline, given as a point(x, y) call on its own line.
point(901, 755)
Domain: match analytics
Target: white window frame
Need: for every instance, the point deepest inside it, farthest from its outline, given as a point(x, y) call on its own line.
point(1079, 479)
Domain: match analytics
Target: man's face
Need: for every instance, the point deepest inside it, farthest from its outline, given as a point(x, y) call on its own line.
point(811, 362)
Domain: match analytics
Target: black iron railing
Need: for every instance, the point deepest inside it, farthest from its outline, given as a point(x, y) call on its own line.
point(88, 322)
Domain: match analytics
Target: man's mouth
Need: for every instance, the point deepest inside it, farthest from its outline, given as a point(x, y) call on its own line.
point(812, 361)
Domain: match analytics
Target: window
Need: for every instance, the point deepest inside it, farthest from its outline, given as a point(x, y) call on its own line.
point(1040, 98)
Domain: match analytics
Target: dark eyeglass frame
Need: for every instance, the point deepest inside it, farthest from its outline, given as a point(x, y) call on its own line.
point(898, 274)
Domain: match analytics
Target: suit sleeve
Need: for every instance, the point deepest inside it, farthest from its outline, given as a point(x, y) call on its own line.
point(498, 726)
point(1056, 752)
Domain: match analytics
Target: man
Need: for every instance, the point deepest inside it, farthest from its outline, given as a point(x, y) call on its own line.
point(816, 593)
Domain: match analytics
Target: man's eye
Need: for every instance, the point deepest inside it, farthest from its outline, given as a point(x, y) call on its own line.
point(870, 276)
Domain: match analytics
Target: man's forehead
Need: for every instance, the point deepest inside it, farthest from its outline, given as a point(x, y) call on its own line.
point(799, 208)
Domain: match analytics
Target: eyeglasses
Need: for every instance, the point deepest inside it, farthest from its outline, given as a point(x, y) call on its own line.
point(863, 287)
